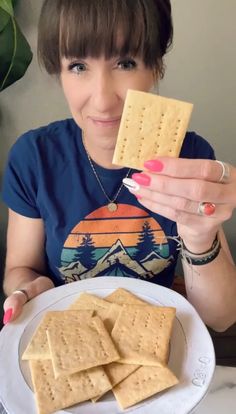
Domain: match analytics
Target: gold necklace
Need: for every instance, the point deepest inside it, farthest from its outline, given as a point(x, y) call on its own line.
point(112, 205)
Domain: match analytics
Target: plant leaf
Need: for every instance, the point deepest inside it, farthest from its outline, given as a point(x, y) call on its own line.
point(4, 18)
point(7, 6)
point(15, 54)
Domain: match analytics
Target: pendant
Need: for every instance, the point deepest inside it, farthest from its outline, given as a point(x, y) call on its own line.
point(112, 207)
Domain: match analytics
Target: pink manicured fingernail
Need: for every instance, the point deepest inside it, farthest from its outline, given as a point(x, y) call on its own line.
point(7, 316)
point(154, 165)
point(141, 178)
point(137, 196)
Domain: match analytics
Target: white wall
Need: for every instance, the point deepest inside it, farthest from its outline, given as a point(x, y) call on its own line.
point(201, 68)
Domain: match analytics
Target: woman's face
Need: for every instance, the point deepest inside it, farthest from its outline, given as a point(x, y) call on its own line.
point(95, 90)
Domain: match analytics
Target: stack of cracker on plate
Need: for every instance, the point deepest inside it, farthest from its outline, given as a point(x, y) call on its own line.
point(119, 343)
point(150, 126)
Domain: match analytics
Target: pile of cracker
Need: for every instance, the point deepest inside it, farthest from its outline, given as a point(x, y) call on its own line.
point(120, 343)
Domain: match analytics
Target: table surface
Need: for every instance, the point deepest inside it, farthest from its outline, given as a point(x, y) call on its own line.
point(221, 397)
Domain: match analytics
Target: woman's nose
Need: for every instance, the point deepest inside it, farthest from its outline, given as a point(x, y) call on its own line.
point(104, 94)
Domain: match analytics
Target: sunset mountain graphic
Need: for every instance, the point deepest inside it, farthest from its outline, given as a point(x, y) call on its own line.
point(128, 242)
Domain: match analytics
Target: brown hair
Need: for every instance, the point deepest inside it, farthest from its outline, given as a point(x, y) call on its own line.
point(81, 28)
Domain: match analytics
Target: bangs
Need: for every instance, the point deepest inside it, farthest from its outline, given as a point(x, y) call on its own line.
point(95, 28)
point(105, 28)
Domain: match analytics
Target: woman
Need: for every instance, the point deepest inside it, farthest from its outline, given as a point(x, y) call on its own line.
point(70, 216)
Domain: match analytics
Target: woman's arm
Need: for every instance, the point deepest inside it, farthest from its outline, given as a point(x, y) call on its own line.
point(176, 191)
point(25, 262)
point(211, 288)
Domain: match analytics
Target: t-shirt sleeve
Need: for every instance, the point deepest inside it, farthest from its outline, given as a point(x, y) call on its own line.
point(20, 183)
point(194, 146)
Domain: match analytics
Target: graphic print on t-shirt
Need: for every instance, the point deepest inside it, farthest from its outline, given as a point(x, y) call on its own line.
point(127, 242)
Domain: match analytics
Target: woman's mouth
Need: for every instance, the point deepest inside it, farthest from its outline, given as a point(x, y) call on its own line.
point(106, 122)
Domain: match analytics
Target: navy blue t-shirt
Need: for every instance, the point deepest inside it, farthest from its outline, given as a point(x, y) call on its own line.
point(48, 176)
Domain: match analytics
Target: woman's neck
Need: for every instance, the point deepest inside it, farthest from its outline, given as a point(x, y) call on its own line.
point(101, 155)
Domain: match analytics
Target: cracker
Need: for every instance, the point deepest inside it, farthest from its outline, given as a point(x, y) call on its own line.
point(88, 301)
point(80, 345)
point(38, 345)
point(122, 296)
point(116, 373)
point(107, 311)
point(143, 383)
point(112, 316)
point(142, 334)
point(55, 394)
point(150, 126)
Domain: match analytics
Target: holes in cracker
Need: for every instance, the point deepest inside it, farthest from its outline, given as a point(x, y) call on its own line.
point(52, 396)
point(59, 361)
point(77, 355)
point(139, 345)
point(156, 148)
point(122, 151)
point(44, 371)
point(147, 320)
point(90, 382)
point(134, 318)
point(139, 150)
point(68, 385)
point(175, 135)
point(127, 120)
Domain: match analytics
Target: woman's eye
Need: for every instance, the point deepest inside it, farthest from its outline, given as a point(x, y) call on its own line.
point(77, 67)
point(127, 64)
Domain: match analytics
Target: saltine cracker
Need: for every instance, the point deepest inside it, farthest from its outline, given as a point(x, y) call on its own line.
point(151, 126)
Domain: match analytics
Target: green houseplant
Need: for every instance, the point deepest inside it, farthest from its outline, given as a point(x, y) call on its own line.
point(15, 57)
point(15, 51)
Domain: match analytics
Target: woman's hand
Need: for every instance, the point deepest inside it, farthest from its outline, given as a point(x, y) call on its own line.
point(176, 188)
point(15, 302)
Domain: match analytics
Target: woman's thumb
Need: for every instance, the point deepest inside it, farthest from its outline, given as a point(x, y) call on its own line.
point(13, 306)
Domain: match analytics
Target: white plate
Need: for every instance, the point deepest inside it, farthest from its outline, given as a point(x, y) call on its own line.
point(192, 356)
